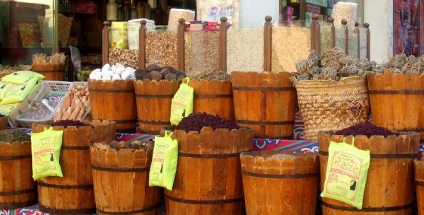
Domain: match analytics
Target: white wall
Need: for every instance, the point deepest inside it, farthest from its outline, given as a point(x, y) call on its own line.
point(379, 14)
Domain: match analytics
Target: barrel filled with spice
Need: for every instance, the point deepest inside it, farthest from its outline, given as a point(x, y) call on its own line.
point(213, 96)
point(390, 182)
point(73, 193)
point(290, 178)
point(397, 100)
point(114, 100)
point(155, 87)
point(18, 187)
point(266, 102)
point(121, 178)
point(208, 177)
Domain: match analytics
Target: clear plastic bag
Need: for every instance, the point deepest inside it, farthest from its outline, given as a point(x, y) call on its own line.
point(76, 60)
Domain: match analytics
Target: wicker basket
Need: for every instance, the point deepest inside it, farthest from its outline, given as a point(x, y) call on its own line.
point(329, 105)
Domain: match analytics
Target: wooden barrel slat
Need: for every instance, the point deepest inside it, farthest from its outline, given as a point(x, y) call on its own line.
point(154, 104)
point(17, 188)
point(397, 101)
point(206, 183)
point(50, 72)
point(390, 183)
point(213, 97)
point(291, 180)
point(121, 181)
point(114, 100)
point(419, 184)
point(265, 102)
point(73, 193)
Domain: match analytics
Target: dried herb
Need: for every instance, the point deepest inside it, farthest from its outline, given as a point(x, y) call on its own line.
point(118, 145)
point(196, 121)
point(366, 129)
point(66, 123)
point(14, 135)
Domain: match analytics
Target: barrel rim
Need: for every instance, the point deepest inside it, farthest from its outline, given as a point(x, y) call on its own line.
point(263, 88)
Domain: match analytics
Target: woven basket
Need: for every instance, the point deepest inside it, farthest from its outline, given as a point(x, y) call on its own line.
point(329, 105)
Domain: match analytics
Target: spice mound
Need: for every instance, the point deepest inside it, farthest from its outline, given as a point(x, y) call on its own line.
point(211, 75)
point(196, 121)
point(366, 129)
point(135, 145)
point(66, 123)
point(14, 135)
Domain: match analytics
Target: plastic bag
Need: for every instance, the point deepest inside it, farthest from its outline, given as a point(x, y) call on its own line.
point(18, 92)
point(346, 176)
point(45, 150)
point(76, 61)
point(21, 77)
point(4, 87)
point(164, 162)
point(5, 110)
point(182, 103)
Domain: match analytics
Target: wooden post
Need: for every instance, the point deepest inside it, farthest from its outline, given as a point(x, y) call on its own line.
point(313, 35)
point(142, 45)
point(180, 44)
point(105, 42)
point(358, 40)
point(267, 44)
point(223, 44)
point(367, 26)
point(333, 32)
point(346, 31)
point(315, 18)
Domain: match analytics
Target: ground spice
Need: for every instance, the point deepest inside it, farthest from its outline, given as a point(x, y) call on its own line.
point(125, 57)
point(245, 49)
point(212, 75)
point(291, 44)
point(161, 48)
point(201, 52)
point(366, 129)
point(14, 135)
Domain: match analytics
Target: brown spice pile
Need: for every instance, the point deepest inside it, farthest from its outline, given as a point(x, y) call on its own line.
point(211, 75)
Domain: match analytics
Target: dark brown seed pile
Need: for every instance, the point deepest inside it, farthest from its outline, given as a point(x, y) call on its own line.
point(211, 75)
point(66, 123)
point(14, 135)
point(196, 121)
point(366, 129)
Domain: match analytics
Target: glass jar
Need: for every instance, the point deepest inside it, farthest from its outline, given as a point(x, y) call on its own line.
point(111, 10)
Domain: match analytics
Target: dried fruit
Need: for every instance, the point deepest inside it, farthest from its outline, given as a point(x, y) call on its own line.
point(170, 77)
point(165, 71)
point(139, 73)
point(156, 75)
point(366, 129)
point(196, 121)
point(153, 67)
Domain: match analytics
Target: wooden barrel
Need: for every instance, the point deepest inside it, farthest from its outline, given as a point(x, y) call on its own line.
point(114, 100)
point(73, 193)
point(51, 72)
point(208, 178)
point(18, 187)
point(121, 181)
point(213, 97)
point(154, 101)
point(397, 101)
point(419, 185)
point(3, 123)
point(266, 102)
point(389, 188)
point(290, 178)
